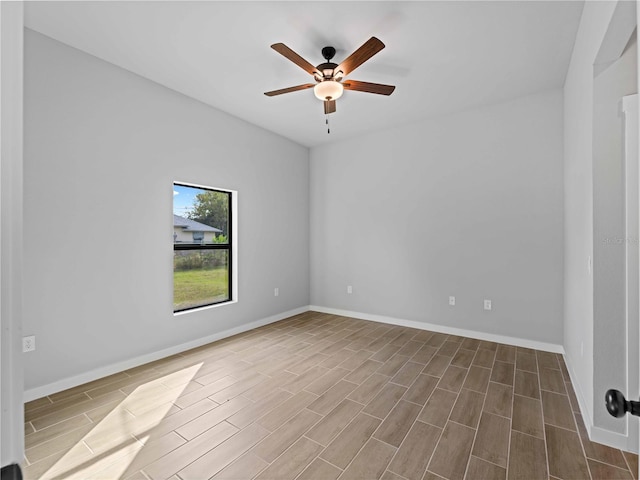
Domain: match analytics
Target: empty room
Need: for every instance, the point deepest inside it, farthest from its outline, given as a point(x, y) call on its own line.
point(319, 240)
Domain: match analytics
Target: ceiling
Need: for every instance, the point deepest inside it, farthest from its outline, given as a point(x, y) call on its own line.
point(443, 57)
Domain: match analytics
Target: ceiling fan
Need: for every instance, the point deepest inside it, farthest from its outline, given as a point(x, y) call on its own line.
point(329, 76)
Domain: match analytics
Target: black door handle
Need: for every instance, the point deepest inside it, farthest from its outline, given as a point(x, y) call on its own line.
point(618, 406)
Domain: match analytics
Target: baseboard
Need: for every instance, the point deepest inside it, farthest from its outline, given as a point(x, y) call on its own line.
point(515, 341)
point(598, 434)
point(70, 382)
point(609, 438)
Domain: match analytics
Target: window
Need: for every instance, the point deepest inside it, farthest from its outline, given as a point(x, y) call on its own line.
point(202, 256)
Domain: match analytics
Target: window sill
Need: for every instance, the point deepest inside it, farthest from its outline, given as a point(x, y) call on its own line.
point(206, 307)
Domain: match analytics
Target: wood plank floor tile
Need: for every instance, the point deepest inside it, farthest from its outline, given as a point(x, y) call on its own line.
point(371, 461)
point(238, 388)
point(502, 372)
point(369, 388)
point(394, 428)
point(448, 349)
point(348, 443)
point(468, 408)
point(566, 458)
point(437, 409)
point(632, 463)
point(407, 374)
point(182, 456)
point(437, 339)
point(506, 353)
point(499, 399)
point(324, 396)
point(414, 454)
point(421, 389)
point(46, 434)
point(527, 458)
point(453, 378)
point(320, 470)
point(463, 358)
point(452, 453)
point(385, 353)
point(294, 385)
point(552, 380)
point(410, 348)
point(354, 360)
point(213, 417)
point(193, 397)
point(332, 424)
point(362, 372)
point(285, 436)
point(492, 440)
point(477, 379)
point(597, 451)
point(480, 469)
point(391, 476)
point(332, 397)
point(287, 409)
point(437, 365)
point(603, 471)
point(384, 402)
point(526, 362)
point(424, 355)
point(547, 360)
point(153, 450)
point(252, 413)
point(573, 400)
point(74, 410)
point(470, 344)
point(393, 365)
point(219, 457)
point(328, 380)
point(246, 466)
point(484, 358)
point(527, 384)
point(556, 410)
point(527, 416)
point(34, 405)
point(292, 462)
point(58, 443)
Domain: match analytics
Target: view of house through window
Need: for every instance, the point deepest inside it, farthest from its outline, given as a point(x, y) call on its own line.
point(201, 246)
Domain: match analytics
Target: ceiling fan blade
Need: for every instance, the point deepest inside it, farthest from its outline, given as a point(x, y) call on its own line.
point(285, 51)
point(368, 87)
point(329, 106)
point(361, 55)
point(273, 93)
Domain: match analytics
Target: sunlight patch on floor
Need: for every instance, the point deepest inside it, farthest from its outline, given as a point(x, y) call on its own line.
point(109, 448)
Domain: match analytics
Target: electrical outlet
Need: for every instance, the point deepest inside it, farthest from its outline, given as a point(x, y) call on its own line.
point(452, 301)
point(28, 343)
point(487, 304)
point(276, 292)
point(349, 289)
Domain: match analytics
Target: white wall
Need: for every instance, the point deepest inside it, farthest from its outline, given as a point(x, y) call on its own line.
point(579, 208)
point(102, 150)
point(611, 238)
point(468, 205)
point(11, 378)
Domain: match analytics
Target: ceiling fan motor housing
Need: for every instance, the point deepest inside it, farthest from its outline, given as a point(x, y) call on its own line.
point(327, 69)
point(328, 53)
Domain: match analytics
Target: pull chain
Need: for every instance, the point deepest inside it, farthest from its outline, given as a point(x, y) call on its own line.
point(327, 123)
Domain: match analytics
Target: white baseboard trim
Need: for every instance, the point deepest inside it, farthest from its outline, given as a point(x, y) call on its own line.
point(70, 382)
point(609, 438)
point(515, 341)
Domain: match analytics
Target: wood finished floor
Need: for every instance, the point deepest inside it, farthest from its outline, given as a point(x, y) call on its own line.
point(322, 397)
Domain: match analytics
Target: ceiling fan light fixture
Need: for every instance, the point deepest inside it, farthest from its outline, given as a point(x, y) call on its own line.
point(328, 90)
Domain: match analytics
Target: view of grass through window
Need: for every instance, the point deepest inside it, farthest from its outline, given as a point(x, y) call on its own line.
point(201, 246)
